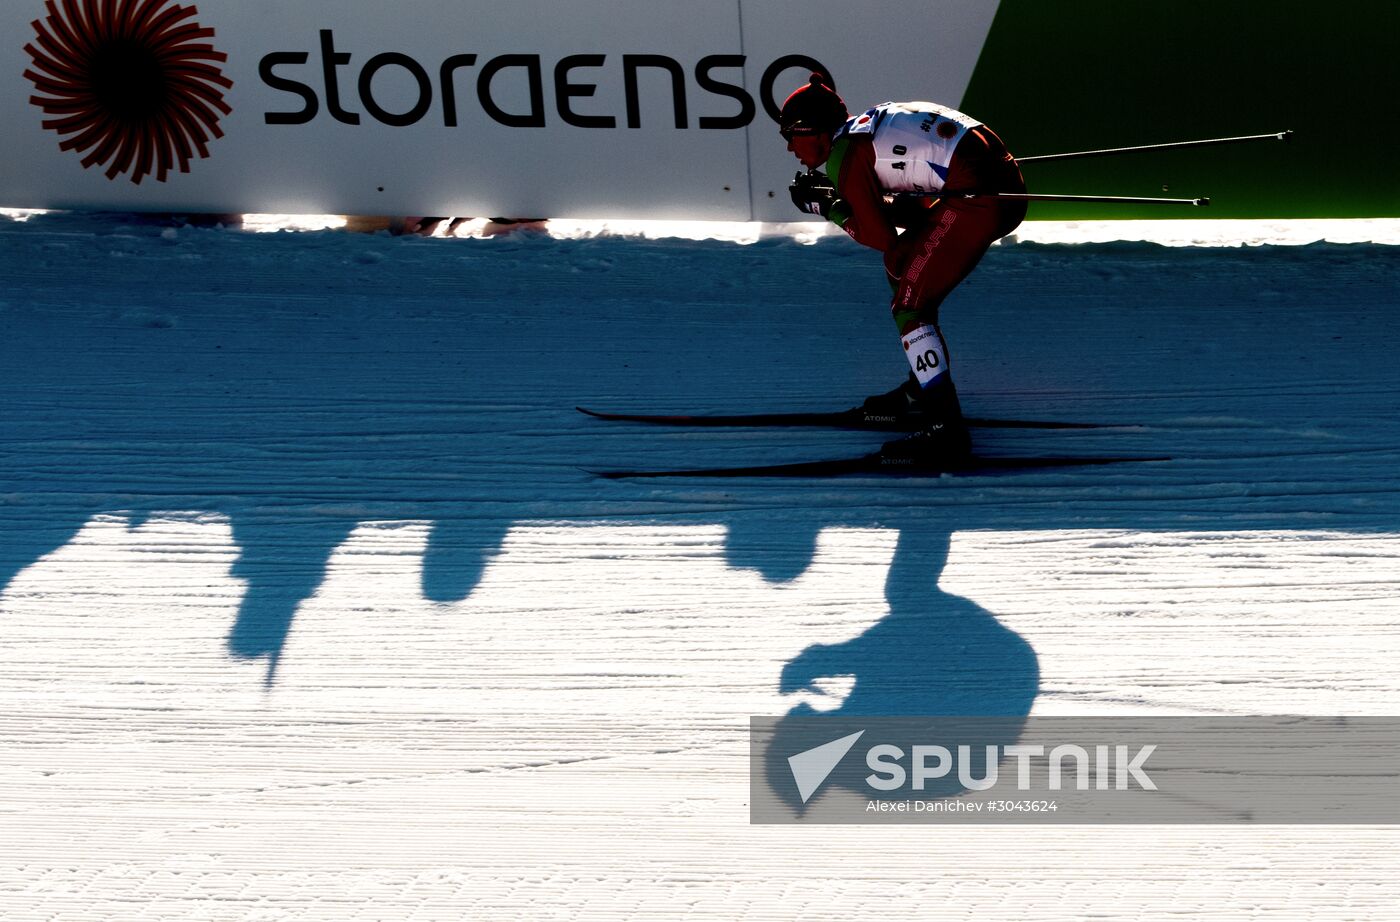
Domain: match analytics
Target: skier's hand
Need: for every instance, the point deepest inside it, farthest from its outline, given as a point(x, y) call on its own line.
point(908, 211)
point(813, 193)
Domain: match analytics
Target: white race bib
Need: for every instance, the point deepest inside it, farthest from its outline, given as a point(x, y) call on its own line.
point(914, 143)
point(926, 353)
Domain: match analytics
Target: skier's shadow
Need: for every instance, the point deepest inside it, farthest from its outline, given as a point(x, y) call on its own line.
point(934, 654)
point(281, 562)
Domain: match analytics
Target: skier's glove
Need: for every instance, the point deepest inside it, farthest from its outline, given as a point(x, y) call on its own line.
point(813, 193)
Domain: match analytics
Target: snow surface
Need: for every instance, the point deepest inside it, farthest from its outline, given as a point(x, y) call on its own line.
point(311, 612)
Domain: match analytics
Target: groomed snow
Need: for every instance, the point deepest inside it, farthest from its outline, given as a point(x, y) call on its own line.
point(308, 609)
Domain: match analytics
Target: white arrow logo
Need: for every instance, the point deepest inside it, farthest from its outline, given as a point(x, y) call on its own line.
point(811, 768)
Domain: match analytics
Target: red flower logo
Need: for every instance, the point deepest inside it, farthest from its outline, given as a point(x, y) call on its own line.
point(129, 82)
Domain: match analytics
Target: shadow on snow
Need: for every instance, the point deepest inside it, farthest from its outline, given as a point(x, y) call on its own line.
point(344, 379)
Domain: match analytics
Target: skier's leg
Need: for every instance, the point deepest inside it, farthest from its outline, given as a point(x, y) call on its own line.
point(923, 267)
point(927, 269)
point(928, 262)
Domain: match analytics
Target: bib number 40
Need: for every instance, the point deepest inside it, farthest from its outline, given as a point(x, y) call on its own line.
point(924, 349)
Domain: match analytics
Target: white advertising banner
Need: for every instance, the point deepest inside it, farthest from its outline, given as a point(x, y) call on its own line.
point(589, 109)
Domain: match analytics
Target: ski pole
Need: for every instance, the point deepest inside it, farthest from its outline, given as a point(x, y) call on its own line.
point(1108, 199)
point(1276, 136)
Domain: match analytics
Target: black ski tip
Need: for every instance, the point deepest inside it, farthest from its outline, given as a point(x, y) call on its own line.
point(854, 418)
point(635, 475)
point(882, 465)
point(593, 413)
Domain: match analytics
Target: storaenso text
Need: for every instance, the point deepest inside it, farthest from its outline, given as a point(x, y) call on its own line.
point(575, 77)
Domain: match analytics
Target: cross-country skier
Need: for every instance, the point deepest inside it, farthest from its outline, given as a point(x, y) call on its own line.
point(910, 150)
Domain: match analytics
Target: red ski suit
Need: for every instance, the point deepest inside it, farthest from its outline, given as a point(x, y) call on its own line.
point(945, 238)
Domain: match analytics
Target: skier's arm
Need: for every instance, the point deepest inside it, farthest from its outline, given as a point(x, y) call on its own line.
point(860, 211)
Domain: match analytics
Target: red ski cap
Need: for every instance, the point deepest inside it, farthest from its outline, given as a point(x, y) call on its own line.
point(813, 108)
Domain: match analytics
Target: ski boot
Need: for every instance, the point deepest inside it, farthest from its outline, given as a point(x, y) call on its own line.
point(901, 408)
point(937, 447)
point(941, 439)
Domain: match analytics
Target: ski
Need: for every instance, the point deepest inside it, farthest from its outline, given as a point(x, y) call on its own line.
point(841, 419)
point(879, 463)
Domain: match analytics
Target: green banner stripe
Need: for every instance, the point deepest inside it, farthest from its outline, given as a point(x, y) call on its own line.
point(1066, 75)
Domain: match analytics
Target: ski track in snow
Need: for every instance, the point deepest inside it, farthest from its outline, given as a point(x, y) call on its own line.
point(309, 611)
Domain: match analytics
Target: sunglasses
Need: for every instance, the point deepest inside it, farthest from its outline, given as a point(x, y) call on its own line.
point(795, 130)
